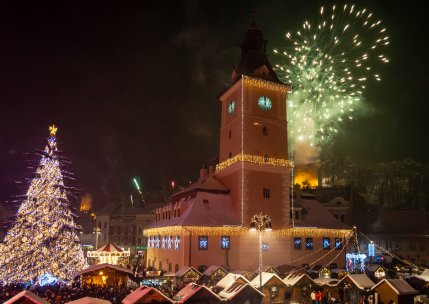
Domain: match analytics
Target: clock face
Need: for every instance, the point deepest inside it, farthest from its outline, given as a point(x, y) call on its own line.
point(265, 103)
point(231, 107)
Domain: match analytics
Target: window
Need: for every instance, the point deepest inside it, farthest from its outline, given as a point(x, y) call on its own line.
point(398, 246)
point(229, 134)
point(326, 243)
point(157, 241)
point(309, 243)
point(266, 193)
point(140, 230)
point(266, 158)
point(338, 244)
point(297, 243)
point(177, 243)
point(170, 242)
point(265, 246)
point(225, 242)
point(230, 154)
point(164, 242)
point(203, 242)
point(264, 131)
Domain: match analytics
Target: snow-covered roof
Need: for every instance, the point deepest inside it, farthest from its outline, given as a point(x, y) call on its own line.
point(189, 290)
point(28, 297)
point(236, 288)
point(230, 279)
point(326, 281)
point(316, 215)
point(266, 276)
point(89, 300)
point(209, 183)
point(101, 266)
point(203, 209)
point(373, 267)
point(361, 280)
point(185, 269)
point(210, 270)
point(423, 276)
point(400, 286)
point(143, 292)
point(292, 278)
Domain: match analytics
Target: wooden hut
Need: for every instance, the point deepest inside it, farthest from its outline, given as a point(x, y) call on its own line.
point(214, 274)
point(194, 293)
point(145, 294)
point(397, 290)
point(353, 287)
point(299, 287)
point(105, 274)
point(375, 272)
point(187, 275)
point(239, 292)
point(273, 287)
point(230, 279)
point(247, 274)
point(26, 297)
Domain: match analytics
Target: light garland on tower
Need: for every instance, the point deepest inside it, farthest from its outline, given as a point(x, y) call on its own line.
point(264, 84)
point(254, 159)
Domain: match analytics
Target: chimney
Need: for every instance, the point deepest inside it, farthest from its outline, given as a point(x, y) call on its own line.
point(203, 172)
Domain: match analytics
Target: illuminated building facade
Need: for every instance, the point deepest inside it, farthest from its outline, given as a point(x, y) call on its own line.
point(207, 223)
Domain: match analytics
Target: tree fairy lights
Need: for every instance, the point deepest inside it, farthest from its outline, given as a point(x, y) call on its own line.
point(44, 237)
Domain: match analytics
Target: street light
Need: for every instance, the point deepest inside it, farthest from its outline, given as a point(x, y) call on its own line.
point(97, 231)
point(260, 222)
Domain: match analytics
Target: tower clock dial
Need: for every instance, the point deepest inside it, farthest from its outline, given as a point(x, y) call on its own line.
point(265, 103)
point(231, 107)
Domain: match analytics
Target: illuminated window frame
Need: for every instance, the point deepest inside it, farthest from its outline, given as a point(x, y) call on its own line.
point(326, 243)
point(225, 242)
point(309, 244)
point(297, 243)
point(203, 242)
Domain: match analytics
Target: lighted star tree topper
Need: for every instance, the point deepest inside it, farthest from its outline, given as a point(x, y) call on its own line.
point(328, 64)
point(43, 240)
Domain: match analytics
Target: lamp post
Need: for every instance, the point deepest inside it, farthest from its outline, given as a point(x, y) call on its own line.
point(97, 231)
point(260, 222)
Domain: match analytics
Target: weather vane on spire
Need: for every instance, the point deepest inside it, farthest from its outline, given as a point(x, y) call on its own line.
point(53, 130)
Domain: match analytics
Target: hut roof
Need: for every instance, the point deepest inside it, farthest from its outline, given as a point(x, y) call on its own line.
point(213, 268)
point(266, 276)
point(27, 297)
point(230, 279)
point(361, 280)
point(236, 288)
point(192, 289)
point(184, 270)
point(89, 300)
point(292, 278)
point(149, 293)
point(400, 286)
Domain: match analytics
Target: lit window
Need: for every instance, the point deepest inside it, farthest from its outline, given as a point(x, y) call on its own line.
point(297, 243)
point(309, 243)
point(265, 246)
point(157, 241)
point(177, 243)
point(266, 193)
point(326, 243)
point(164, 242)
point(203, 242)
point(338, 244)
point(170, 242)
point(225, 242)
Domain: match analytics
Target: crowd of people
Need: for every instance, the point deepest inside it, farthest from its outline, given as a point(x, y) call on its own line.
point(58, 294)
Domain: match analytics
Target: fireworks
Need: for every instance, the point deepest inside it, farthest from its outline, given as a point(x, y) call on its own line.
point(328, 65)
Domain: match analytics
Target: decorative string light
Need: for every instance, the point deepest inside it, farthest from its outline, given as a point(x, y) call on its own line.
point(44, 237)
point(255, 159)
point(264, 84)
point(240, 230)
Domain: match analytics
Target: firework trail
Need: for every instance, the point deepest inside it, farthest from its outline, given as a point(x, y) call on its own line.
point(328, 65)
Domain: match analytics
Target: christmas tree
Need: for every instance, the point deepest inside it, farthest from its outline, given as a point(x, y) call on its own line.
point(43, 241)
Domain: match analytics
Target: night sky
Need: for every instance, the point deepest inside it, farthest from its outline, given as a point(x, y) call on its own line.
point(133, 88)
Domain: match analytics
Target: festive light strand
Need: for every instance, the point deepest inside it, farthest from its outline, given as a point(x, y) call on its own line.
point(254, 159)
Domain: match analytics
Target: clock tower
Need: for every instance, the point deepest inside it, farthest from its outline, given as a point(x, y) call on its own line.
point(253, 157)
